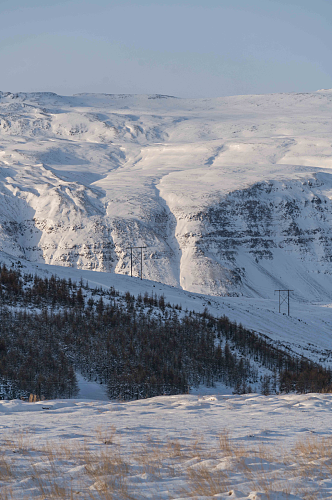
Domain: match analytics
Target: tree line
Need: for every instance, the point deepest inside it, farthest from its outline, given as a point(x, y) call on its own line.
point(137, 346)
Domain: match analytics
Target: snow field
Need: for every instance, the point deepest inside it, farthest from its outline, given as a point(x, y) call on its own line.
point(84, 177)
point(195, 447)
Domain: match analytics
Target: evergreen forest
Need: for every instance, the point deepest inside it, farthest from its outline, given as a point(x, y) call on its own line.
point(51, 328)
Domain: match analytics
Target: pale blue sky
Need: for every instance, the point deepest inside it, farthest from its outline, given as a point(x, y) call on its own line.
point(187, 48)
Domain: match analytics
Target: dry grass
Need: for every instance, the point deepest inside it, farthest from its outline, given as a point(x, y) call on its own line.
point(6, 466)
point(106, 435)
point(202, 481)
point(108, 471)
point(104, 469)
point(314, 463)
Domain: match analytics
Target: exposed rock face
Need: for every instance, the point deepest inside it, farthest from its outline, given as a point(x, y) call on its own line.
point(250, 232)
point(230, 196)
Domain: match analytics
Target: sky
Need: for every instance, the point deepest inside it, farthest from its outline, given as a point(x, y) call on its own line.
point(185, 48)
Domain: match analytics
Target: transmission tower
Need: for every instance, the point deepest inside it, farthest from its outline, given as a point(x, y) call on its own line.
point(284, 297)
point(131, 259)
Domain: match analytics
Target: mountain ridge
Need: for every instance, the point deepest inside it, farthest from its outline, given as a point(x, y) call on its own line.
point(231, 196)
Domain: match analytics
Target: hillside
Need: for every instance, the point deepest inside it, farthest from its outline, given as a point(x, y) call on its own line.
point(135, 345)
point(231, 196)
point(307, 331)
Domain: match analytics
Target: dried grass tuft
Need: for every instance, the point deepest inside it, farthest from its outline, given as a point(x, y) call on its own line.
point(195, 467)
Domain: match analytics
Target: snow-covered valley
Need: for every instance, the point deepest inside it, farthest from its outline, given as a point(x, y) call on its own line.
point(231, 196)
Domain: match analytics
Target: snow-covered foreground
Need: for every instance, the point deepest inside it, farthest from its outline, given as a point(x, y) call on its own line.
point(239, 447)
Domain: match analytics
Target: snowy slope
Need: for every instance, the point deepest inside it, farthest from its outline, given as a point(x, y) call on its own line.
point(232, 196)
point(307, 331)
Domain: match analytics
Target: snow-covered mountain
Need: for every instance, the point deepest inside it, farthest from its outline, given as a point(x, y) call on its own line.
point(230, 196)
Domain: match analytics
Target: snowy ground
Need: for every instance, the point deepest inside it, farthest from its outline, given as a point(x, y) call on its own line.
point(190, 446)
point(90, 390)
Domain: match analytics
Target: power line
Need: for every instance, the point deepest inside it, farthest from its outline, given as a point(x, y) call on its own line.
point(131, 259)
point(283, 297)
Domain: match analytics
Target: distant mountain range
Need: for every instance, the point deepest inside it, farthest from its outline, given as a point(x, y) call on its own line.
point(231, 196)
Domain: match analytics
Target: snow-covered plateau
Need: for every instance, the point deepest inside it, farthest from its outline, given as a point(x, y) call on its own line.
point(231, 196)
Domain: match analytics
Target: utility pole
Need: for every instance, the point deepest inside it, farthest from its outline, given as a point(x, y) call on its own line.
point(131, 262)
point(283, 297)
point(131, 259)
